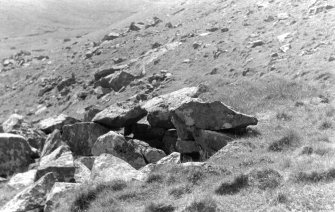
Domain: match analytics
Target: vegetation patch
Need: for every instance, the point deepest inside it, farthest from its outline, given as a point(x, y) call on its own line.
point(288, 141)
point(159, 207)
point(204, 205)
point(314, 176)
point(265, 178)
point(179, 191)
point(229, 188)
point(155, 178)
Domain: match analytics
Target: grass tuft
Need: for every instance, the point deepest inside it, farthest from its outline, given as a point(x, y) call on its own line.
point(159, 207)
point(179, 191)
point(155, 178)
point(314, 176)
point(230, 188)
point(265, 178)
point(204, 205)
point(288, 141)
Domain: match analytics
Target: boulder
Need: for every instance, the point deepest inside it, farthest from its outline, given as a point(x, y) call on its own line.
point(90, 112)
point(60, 163)
point(143, 131)
point(107, 168)
point(169, 141)
point(115, 144)
point(15, 154)
point(82, 173)
point(57, 195)
point(118, 117)
point(1, 129)
point(88, 161)
point(211, 141)
point(31, 198)
point(173, 158)
point(22, 180)
point(107, 70)
point(117, 80)
point(184, 146)
point(82, 136)
point(50, 124)
point(100, 92)
point(159, 108)
point(53, 141)
point(211, 116)
point(150, 154)
point(136, 26)
point(13, 122)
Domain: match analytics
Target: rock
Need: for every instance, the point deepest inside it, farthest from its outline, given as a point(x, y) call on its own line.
point(169, 141)
point(211, 116)
point(153, 22)
point(117, 80)
point(1, 129)
point(256, 43)
point(100, 91)
point(107, 168)
point(57, 195)
point(22, 180)
point(143, 131)
point(159, 108)
point(108, 70)
point(60, 163)
point(118, 60)
point(82, 173)
point(53, 141)
point(211, 141)
point(184, 146)
point(283, 37)
point(117, 117)
point(90, 112)
point(66, 83)
point(285, 47)
point(283, 16)
point(151, 155)
point(111, 36)
point(115, 144)
point(82, 136)
point(13, 122)
point(88, 161)
point(31, 198)
point(15, 154)
point(135, 26)
point(173, 158)
point(50, 124)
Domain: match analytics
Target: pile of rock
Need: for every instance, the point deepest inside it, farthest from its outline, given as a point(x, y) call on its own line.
point(123, 141)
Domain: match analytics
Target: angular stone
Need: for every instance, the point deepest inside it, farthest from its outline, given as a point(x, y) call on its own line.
point(108, 168)
point(50, 124)
point(22, 180)
point(31, 198)
point(159, 108)
point(211, 116)
point(108, 70)
point(15, 154)
point(169, 141)
point(60, 163)
point(13, 122)
point(184, 146)
point(53, 141)
point(90, 112)
point(88, 161)
point(115, 144)
point(82, 173)
point(117, 117)
point(151, 155)
point(111, 36)
point(57, 195)
point(117, 80)
point(173, 158)
point(146, 132)
point(82, 136)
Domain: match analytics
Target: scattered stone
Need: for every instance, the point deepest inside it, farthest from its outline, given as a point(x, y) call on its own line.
point(90, 112)
point(13, 122)
point(50, 124)
point(100, 91)
point(285, 47)
point(151, 155)
point(173, 158)
point(82, 136)
point(256, 43)
point(108, 70)
point(136, 26)
point(117, 117)
point(118, 60)
point(15, 154)
point(159, 108)
point(117, 80)
point(22, 180)
point(331, 58)
point(115, 144)
point(283, 16)
point(196, 45)
point(212, 29)
point(66, 83)
point(53, 141)
point(153, 22)
point(282, 38)
point(224, 29)
point(33, 197)
point(57, 195)
point(107, 168)
point(111, 36)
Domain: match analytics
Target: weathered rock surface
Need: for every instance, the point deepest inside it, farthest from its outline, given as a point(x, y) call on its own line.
point(56, 196)
point(90, 112)
point(31, 198)
point(22, 180)
point(117, 117)
point(82, 173)
point(111, 36)
point(50, 124)
point(82, 136)
point(107, 70)
point(88, 161)
point(145, 132)
point(53, 141)
point(13, 122)
point(159, 108)
point(211, 116)
point(185, 146)
point(108, 168)
point(169, 141)
point(117, 80)
point(151, 155)
point(15, 154)
point(60, 163)
point(115, 144)
point(173, 158)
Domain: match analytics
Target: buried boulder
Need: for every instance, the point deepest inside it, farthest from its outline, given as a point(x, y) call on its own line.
point(15, 154)
point(33, 197)
point(107, 168)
